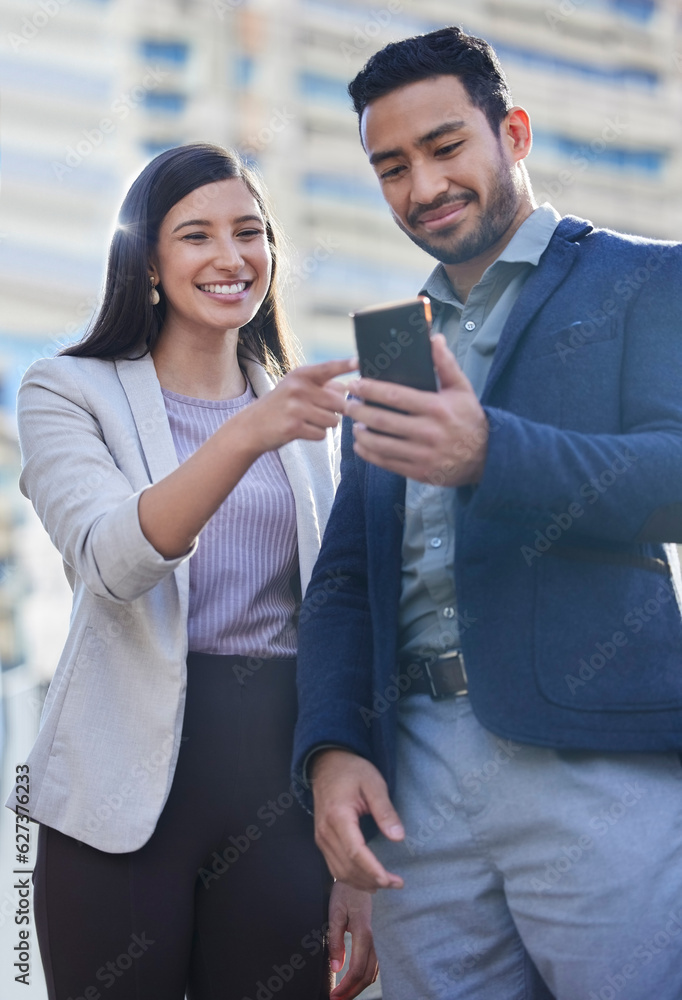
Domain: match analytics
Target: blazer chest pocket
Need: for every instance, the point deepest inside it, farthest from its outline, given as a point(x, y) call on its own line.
point(569, 340)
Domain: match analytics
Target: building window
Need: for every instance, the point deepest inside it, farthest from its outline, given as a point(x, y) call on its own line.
point(243, 71)
point(639, 10)
point(328, 89)
point(152, 147)
point(339, 187)
point(173, 53)
point(165, 103)
point(613, 75)
point(599, 153)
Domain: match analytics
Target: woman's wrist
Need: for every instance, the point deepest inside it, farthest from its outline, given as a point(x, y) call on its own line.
point(240, 438)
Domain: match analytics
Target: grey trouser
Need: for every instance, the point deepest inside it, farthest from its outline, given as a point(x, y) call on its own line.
point(522, 860)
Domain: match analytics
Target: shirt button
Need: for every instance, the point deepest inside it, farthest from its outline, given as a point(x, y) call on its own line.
point(470, 325)
point(436, 543)
point(448, 612)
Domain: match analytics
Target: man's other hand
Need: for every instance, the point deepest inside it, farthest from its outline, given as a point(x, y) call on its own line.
point(346, 787)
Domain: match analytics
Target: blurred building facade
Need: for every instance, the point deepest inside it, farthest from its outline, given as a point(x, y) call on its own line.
point(602, 80)
point(91, 89)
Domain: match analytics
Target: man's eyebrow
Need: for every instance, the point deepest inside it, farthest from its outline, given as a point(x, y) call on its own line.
point(206, 222)
point(387, 154)
point(440, 130)
point(436, 133)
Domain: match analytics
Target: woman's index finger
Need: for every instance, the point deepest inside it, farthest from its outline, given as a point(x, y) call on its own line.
point(326, 370)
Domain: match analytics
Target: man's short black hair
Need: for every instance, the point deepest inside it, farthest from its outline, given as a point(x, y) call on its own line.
point(447, 51)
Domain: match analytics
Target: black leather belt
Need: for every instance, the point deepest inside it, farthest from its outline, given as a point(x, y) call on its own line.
point(441, 676)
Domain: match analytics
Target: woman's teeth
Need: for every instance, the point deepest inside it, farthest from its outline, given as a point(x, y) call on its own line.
point(224, 289)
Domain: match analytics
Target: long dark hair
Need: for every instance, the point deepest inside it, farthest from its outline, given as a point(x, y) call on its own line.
point(127, 324)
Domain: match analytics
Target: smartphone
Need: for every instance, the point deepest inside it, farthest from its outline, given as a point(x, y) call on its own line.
point(394, 344)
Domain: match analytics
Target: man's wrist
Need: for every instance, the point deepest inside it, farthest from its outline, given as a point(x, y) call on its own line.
point(308, 763)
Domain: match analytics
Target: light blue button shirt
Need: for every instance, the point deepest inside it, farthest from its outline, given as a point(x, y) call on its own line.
point(429, 617)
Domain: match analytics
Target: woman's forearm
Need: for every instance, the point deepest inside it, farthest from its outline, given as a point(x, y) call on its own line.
point(173, 511)
point(303, 405)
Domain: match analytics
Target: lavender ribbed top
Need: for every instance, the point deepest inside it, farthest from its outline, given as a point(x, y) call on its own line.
point(241, 599)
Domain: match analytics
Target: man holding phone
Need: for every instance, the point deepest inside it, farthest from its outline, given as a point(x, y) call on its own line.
point(496, 682)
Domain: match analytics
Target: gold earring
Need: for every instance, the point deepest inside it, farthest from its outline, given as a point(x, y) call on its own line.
point(154, 296)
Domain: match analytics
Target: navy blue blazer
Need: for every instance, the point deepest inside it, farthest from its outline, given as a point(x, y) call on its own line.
point(568, 586)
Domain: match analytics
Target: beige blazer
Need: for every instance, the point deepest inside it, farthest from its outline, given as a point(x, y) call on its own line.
point(93, 435)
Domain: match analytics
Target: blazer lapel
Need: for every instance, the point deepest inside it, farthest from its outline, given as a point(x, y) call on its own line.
point(143, 391)
point(309, 472)
point(261, 382)
point(142, 388)
point(552, 270)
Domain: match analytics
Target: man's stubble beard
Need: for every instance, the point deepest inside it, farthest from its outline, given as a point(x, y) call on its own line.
point(491, 227)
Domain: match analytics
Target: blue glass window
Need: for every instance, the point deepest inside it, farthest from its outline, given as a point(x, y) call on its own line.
point(599, 153)
point(330, 90)
point(243, 70)
point(152, 147)
point(167, 103)
point(175, 53)
point(340, 187)
point(599, 74)
point(639, 10)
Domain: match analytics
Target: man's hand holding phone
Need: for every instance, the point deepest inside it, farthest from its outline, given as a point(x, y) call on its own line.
point(439, 437)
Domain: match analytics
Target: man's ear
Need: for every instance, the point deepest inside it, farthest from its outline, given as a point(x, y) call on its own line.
point(516, 133)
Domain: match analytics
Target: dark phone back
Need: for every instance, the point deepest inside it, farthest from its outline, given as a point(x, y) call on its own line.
point(394, 345)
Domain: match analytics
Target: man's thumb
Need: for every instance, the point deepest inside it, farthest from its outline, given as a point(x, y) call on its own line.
point(449, 373)
point(386, 818)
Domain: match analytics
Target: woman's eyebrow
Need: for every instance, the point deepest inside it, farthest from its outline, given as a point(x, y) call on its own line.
point(192, 222)
point(206, 222)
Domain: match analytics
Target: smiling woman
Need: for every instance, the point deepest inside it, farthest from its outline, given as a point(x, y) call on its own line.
point(184, 183)
point(185, 471)
point(223, 258)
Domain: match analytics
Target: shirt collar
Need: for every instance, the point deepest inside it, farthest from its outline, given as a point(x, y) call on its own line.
point(526, 246)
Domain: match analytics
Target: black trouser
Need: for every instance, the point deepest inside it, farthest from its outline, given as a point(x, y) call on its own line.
point(228, 899)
